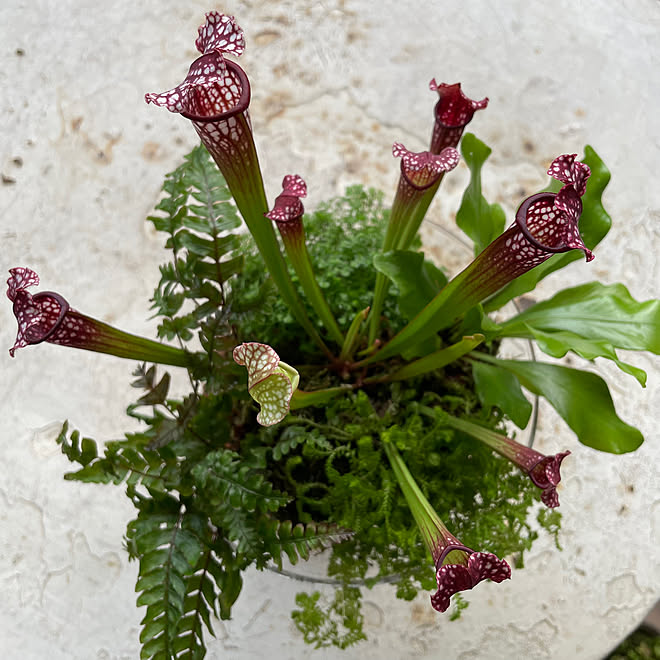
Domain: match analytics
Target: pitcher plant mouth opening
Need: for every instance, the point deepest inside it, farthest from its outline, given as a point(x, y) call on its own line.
point(215, 97)
point(215, 88)
point(455, 577)
point(453, 108)
point(537, 207)
point(35, 333)
point(448, 549)
point(422, 169)
point(453, 112)
point(240, 94)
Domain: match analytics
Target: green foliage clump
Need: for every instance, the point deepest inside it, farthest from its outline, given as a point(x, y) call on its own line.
point(342, 237)
point(215, 492)
point(484, 501)
point(335, 623)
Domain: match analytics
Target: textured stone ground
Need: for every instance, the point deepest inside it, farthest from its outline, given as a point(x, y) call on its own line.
point(334, 84)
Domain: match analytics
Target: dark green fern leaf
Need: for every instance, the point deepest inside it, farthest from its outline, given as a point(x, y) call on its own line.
point(224, 480)
point(226, 570)
point(289, 439)
point(202, 590)
point(297, 541)
point(126, 461)
point(241, 529)
point(75, 448)
point(200, 218)
point(168, 545)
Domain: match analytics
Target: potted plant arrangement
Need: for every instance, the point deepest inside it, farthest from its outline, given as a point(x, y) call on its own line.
point(345, 394)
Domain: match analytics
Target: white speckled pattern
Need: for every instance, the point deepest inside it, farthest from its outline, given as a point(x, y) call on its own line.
point(334, 85)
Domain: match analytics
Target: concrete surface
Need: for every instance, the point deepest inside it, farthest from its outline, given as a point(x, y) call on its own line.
point(334, 85)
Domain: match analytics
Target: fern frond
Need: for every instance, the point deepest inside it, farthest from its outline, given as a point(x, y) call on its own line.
point(289, 439)
point(241, 529)
point(388, 490)
point(123, 461)
point(75, 448)
point(200, 219)
point(299, 540)
point(226, 570)
point(167, 542)
point(198, 606)
point(224, 480)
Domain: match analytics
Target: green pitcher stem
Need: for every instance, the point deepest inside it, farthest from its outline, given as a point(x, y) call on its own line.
point(487, 436)
point(253, 209)
point(299, 255)
point(499, 443)
point(407, 236)
point(425, 516)
point(401, 240)
point(407, 215)
point(110, 340)
point(433, 361)
point(302, 398)
point(353, 335)
point(380, 291)
point(392, 236)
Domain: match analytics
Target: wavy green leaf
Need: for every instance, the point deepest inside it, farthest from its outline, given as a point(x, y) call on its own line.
point(557, 344)
point(581, 398)
point(418, 280)
point(500, 388)
point(481, 221)
point(597, 312)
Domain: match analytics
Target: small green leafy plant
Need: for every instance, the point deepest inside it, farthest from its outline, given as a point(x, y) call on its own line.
point(393, 400)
